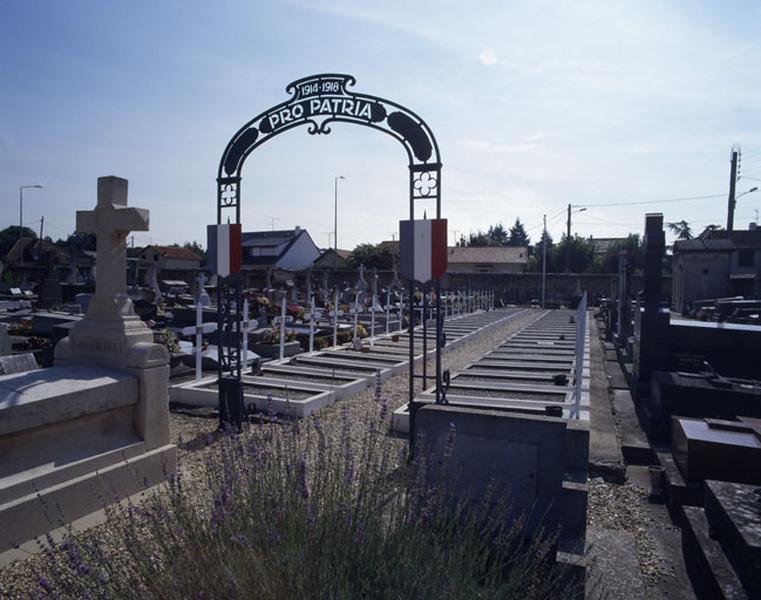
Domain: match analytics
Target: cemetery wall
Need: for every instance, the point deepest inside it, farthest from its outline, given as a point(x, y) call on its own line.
point(517, 288)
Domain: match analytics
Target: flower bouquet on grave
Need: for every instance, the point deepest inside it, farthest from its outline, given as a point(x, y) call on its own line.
point(344, 308)
point(361, 331)
point(168, 339)
point(20, 327)
point(295, 311)
point(30, 343)
point(262, 301)
point(272, 336)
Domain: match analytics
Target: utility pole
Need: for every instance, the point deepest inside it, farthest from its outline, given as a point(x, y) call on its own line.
point(568, 242)
point(335, 218)
point(39, 243)
point(732, 182)
point(544, 262)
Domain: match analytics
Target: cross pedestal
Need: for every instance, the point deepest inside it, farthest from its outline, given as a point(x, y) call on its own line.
point(110, 328)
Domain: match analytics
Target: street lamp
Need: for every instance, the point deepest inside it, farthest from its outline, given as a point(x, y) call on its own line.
point(568, 236)
point(21, 216)
point(335, 220)
point(732, 203)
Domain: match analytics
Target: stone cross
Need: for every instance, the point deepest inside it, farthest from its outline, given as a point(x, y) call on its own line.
point(112, 221)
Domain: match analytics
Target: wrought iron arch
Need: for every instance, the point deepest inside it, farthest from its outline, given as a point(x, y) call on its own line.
point(317, 101)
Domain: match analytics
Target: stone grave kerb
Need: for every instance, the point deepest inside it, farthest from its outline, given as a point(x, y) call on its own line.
point(110, 328)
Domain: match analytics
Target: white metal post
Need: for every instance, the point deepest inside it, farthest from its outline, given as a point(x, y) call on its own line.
point(388, 309)
point(356, 313)
point(335, 320)
point(581, 329)
point(199, 339)
point(282, 329)
point(311, 324)
point(245, 324)
point(372, 320)
point(400, 311)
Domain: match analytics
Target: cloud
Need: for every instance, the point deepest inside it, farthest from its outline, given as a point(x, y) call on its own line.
point(487, 57)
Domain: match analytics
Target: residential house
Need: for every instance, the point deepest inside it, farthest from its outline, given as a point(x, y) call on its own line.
point(289, 250)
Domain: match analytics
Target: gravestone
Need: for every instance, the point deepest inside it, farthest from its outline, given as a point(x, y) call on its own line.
point(17, 363)
point(94, 428)
point(50, 293)
point(733, 511)
point(6, 347)
point(361, 284)
point(153, 283)
point(83, 301)
point(110, 327)
point(717, 449)
point(698, 395)
point(73, 277)
point(651, 334)
point(623, 314)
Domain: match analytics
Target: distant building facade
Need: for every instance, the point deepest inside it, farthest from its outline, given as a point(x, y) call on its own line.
point(722, 265)
point(487, 259)
point(169, 258)
point(289, 250)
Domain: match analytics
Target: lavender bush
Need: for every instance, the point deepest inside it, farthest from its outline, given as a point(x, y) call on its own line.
point(291, 511)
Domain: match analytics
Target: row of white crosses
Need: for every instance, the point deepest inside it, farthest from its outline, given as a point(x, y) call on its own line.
point(246, 326)
point(200, 328)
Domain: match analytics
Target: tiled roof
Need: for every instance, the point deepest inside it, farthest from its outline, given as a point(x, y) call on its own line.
point(269, 238)
point(703, 245)
point(176, 252)
point(30, 246)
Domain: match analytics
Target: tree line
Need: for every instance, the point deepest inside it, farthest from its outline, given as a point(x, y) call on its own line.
point(584, 254)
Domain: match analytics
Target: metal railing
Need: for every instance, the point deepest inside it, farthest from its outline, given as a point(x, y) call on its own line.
point(581, 330)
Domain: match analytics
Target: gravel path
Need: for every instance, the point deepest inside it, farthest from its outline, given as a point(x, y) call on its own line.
point(192, 432)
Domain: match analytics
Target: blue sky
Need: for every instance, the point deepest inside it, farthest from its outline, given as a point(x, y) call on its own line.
point(534, 104)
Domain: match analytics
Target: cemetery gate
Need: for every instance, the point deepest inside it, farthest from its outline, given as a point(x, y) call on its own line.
point(316, 102)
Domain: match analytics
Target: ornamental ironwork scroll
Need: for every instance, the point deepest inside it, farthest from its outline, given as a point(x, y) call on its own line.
point(316, 102)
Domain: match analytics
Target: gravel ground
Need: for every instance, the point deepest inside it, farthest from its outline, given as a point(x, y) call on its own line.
point(191, 432)
point(613, 506)
point(513, 395)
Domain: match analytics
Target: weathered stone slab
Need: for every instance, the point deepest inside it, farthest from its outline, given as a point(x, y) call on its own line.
point(734, 512)
point(614, 564)
point(18, 363)
point(46, 396)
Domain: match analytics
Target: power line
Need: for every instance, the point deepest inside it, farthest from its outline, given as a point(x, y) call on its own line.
point(712, 196)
